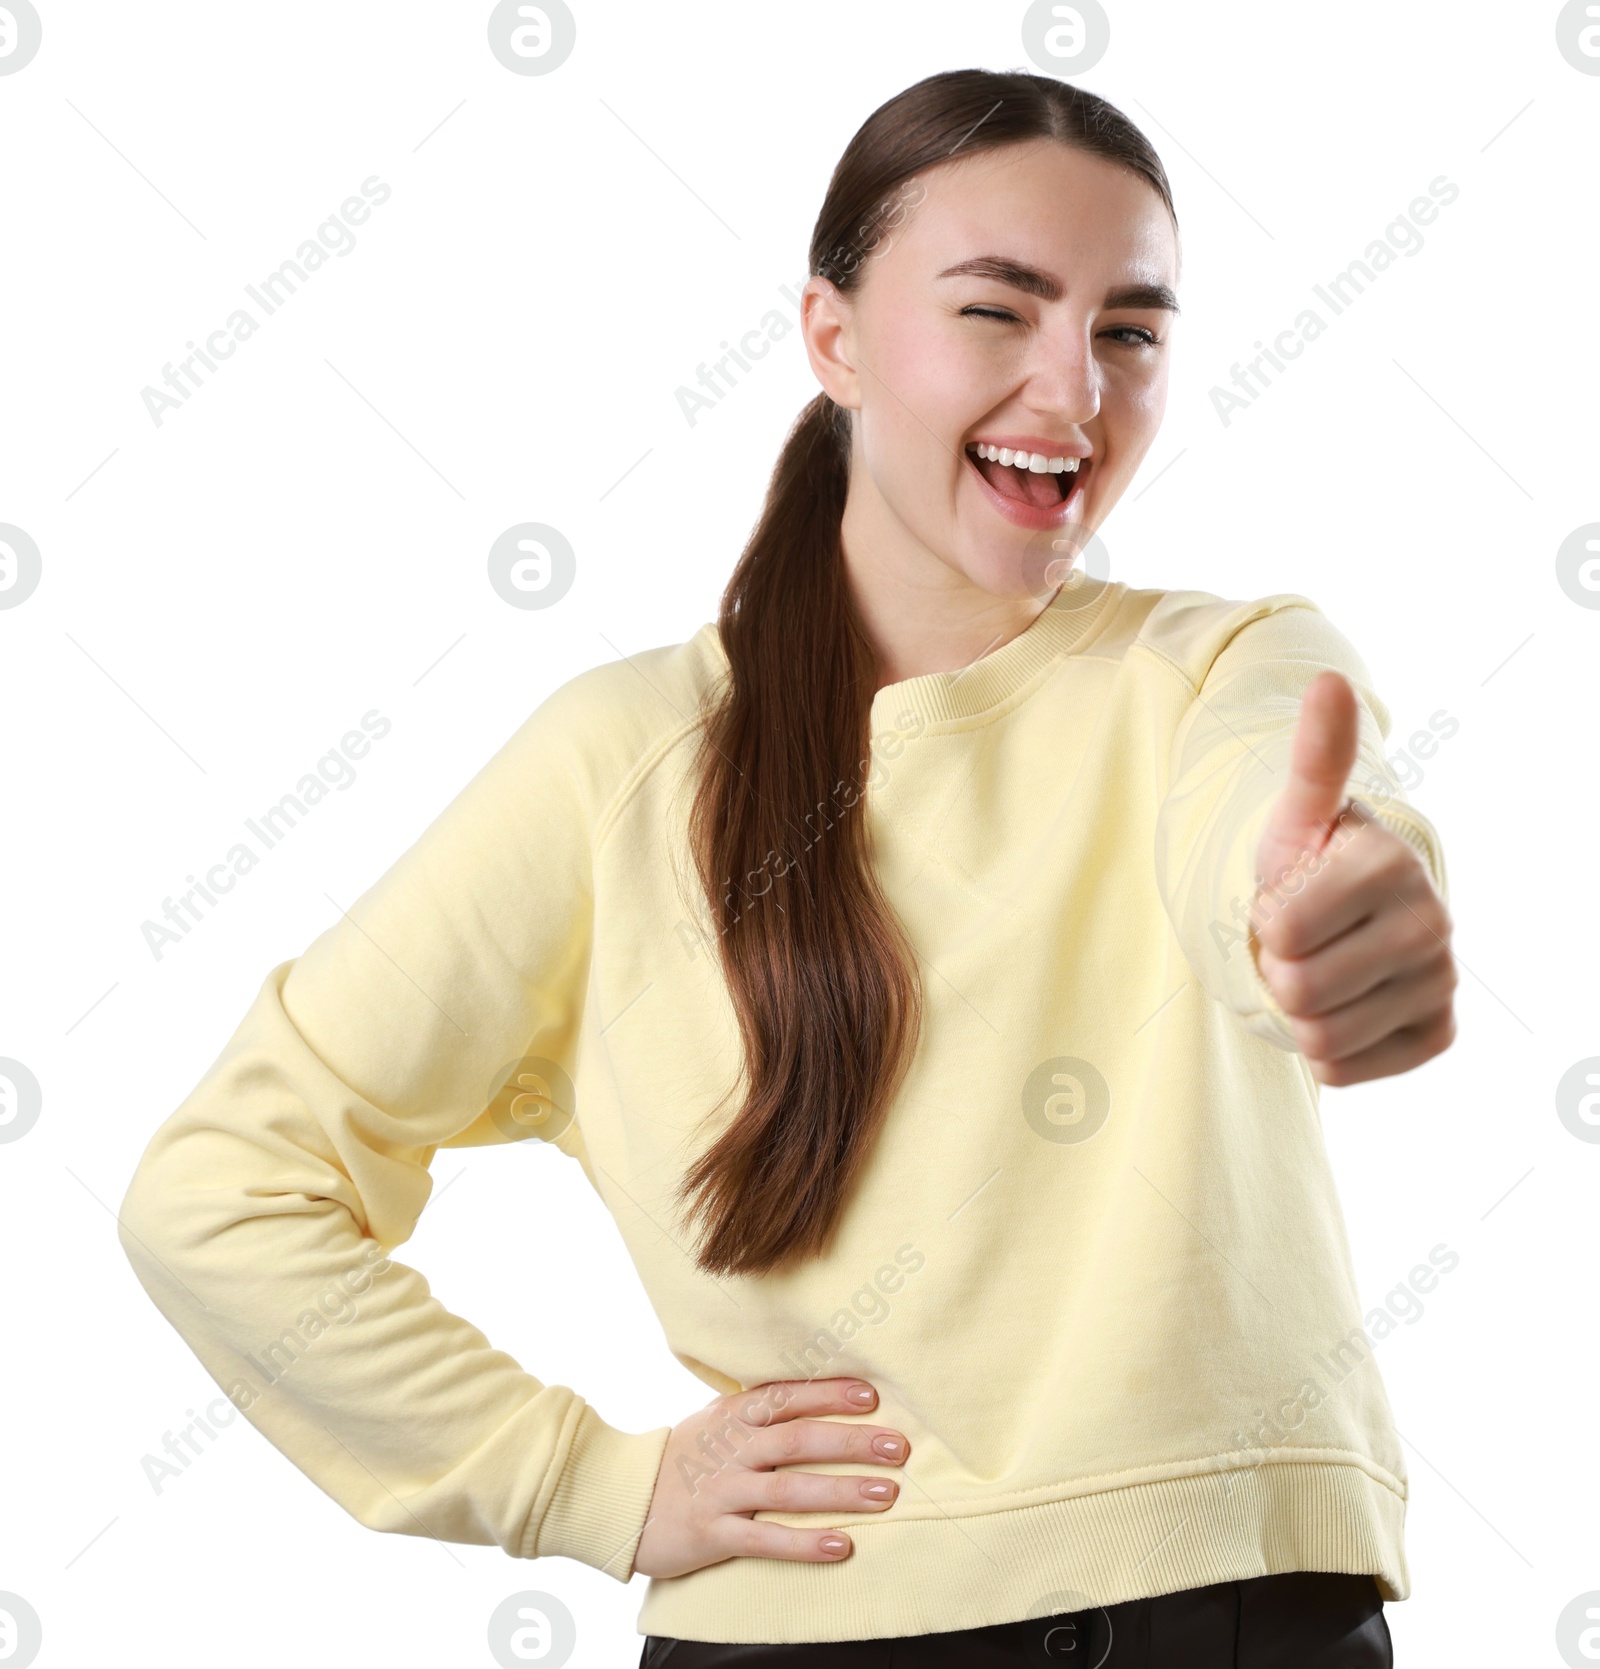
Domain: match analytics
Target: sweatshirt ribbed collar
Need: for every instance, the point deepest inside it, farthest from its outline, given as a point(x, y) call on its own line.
point(940, 697)
point(937, 697)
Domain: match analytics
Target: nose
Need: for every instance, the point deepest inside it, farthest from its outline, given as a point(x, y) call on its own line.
point(1064, 378)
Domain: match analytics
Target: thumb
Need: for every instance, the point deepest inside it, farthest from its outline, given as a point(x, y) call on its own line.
point(1322, 757)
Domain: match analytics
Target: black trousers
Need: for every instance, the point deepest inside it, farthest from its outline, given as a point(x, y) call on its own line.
point(1298, 1620)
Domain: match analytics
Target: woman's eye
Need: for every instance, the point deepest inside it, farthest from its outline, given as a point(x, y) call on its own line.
point(1132, 336)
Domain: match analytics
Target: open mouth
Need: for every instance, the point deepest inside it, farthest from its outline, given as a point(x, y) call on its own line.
point(1041, 489)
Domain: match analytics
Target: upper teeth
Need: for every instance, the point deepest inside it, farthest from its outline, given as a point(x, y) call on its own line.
point(1035, 461)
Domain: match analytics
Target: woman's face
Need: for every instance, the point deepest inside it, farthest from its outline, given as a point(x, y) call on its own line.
point(1025, 301)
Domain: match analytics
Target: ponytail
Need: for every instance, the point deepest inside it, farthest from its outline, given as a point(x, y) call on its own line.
point(822, 979)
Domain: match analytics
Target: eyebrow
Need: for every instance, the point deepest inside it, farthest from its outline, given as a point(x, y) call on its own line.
point(1004, 270)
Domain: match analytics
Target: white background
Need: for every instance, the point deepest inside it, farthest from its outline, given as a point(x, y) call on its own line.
point(224, 595)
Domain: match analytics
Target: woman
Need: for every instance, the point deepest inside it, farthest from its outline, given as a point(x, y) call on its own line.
point(933, 966)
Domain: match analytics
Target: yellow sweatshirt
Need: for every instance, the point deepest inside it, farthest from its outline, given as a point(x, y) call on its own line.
point(1096, 1266)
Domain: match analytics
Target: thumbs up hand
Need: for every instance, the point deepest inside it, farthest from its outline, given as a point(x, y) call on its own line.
point(1351, 937)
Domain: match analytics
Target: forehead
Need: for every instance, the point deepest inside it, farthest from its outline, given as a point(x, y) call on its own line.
point(1045, 203)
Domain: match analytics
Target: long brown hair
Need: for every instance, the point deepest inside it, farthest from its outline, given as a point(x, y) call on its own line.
point(822, 979)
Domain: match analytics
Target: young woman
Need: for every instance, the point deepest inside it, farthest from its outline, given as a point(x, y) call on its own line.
point(933, 966)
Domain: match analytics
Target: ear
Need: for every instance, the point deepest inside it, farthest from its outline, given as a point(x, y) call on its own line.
point(827, 318)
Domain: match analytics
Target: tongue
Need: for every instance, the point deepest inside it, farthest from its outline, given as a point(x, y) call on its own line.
point(1025, 485)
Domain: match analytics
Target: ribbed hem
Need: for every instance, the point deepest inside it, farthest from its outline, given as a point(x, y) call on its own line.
point(601, 1500)
point(930, 1575)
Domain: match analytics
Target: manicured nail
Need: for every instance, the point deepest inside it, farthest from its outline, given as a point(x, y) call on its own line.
point(878, 1491)
point(890, 1448)
point(863, 1394)
point(833, 1544)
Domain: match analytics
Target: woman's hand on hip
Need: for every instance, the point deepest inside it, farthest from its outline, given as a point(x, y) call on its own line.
point(717, 1470)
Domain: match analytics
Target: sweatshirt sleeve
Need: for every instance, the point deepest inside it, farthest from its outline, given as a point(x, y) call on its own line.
point(259, 1217)
point(1229, 762)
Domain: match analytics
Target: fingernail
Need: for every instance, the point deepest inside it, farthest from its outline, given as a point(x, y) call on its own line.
point(861, 1393)
point(888, 1447)
point(878, 1491)
point(833, 1544)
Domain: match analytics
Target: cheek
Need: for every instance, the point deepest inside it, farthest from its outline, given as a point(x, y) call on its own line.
point(919, 387)
point(1131, 407)
point(1155, 394)
point(915, 365)
point(1135, 402)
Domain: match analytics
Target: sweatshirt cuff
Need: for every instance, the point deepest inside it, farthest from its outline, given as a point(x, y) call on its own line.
point(1413, 828)
point(1250, 997)
point(601, 1501)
